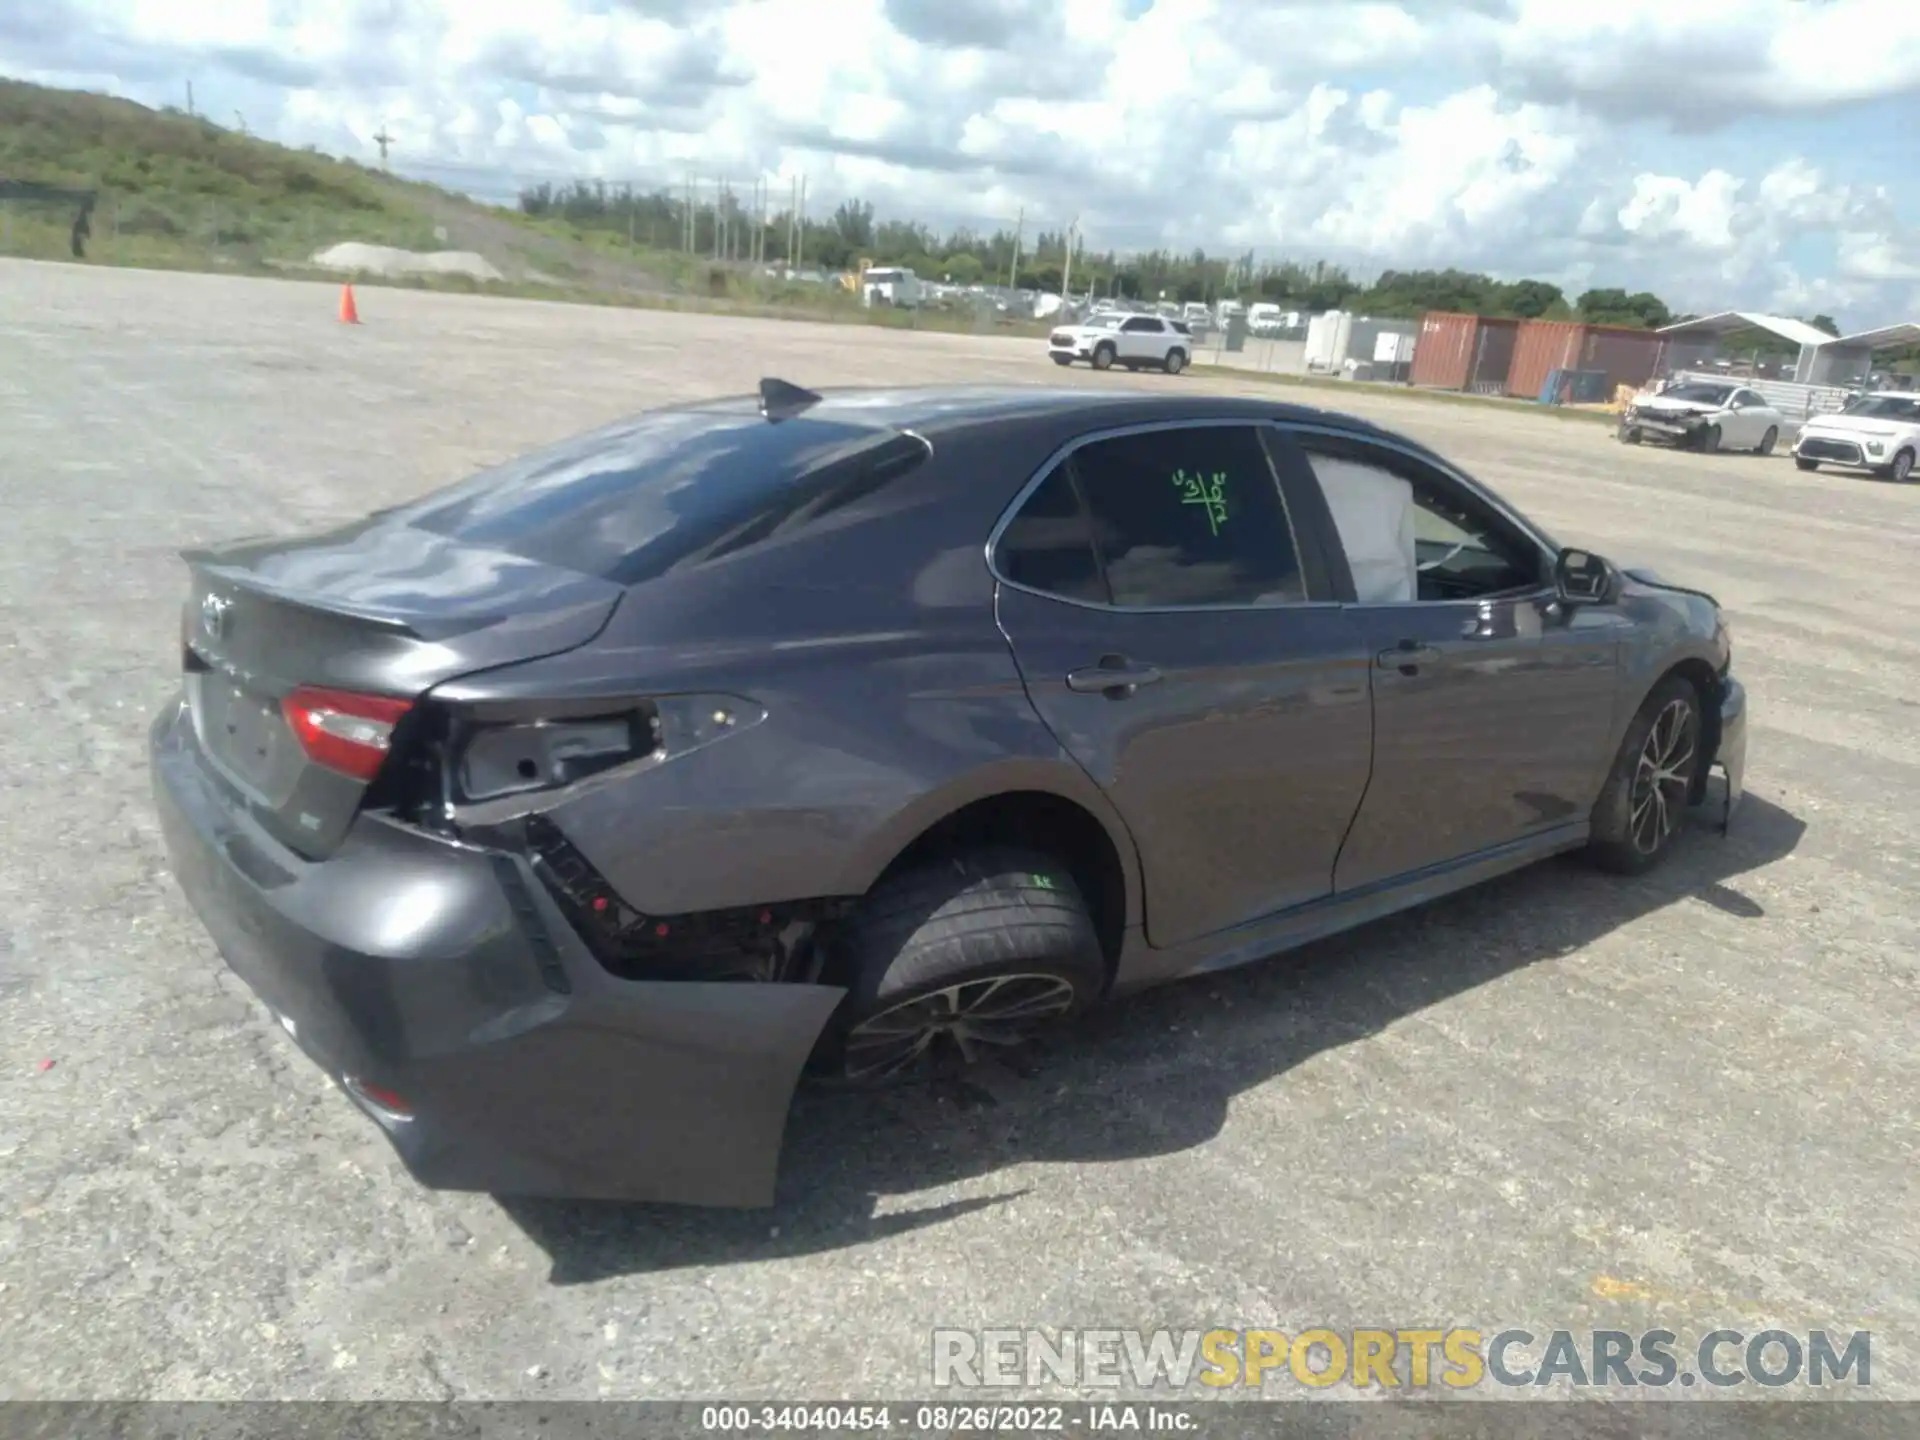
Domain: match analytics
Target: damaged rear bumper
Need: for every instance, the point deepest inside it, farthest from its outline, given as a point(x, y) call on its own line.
point(439, 985)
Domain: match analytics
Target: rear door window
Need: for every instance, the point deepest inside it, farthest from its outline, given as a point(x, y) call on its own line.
point(1190, 515)
point(1048, 545)
point(671, 488)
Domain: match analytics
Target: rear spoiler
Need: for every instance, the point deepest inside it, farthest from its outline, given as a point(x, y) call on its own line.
point(201, 563)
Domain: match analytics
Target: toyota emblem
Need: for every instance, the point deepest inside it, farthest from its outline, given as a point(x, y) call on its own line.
point(213, 616)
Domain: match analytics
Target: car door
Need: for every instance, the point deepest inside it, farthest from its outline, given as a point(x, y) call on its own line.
point(1756, 416)
point(1142, 338)
point(1492, 702)
point(1736, 422)
point(1178, 634)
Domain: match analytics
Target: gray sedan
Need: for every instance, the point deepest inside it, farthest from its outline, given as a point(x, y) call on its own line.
point(567, 815)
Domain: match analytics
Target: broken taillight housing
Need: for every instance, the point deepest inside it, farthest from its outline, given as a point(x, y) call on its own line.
point(498, 760)
point(343, 730)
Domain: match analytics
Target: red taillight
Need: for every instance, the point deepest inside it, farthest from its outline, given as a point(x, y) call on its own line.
point(343, 731)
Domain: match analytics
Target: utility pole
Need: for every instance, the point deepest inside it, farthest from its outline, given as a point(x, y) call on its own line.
point(1066, 271)
point(383, 140)
point(241, 121)
point(1019, 231)
point(800, 240)
point(189, 97)
point(688, 217)
point(793, 218)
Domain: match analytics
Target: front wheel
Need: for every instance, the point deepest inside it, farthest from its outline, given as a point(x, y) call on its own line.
point(1800, 462)
point(958, 958)
point(1710, 439)
point(1644, 802)
point(1176, 361)
point(1063, 359)
point(1902, 468)
point(1630, 436)
point(1103, 357)
point(1767, 441)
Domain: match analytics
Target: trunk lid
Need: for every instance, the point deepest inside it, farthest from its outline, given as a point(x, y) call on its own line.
point(378, 608)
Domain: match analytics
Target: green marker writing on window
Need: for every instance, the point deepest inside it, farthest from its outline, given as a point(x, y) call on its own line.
point(1206, 490)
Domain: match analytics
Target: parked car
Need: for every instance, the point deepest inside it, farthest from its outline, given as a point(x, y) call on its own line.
point(1879, 433)
point(1705, 415)
point(1135, 341)
point(564, 815)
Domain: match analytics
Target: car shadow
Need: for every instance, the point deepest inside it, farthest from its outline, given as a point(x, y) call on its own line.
point(1089, 1095)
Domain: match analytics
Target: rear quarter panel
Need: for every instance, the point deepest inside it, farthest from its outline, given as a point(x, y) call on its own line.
point(891, 700)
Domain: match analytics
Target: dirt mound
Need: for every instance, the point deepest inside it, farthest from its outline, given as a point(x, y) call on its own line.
point(384, 260)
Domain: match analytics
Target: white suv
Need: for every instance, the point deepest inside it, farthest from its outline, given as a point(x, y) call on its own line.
point(1135, 341)
point(1879, 432)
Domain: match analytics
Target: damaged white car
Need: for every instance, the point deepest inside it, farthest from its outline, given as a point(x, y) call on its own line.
point(1878, 433)
point(1704, 415)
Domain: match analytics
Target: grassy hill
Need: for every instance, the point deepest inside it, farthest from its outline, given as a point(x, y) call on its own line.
point(177, 191)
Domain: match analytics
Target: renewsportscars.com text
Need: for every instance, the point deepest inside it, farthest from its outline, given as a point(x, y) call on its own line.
point(1414, 1359)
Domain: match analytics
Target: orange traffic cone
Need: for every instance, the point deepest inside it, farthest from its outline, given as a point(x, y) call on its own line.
point(349, 312)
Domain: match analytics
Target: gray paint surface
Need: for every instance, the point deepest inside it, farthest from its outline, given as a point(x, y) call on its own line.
point(194, 1212)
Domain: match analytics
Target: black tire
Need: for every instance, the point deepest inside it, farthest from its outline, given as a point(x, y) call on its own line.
point(1630, 436)
point(986, 931)
point(1175, 362)
point(1767, 440)
point(1634, 822)
point(1803, 464)
point(1103, 354)
point(1710, 439)
point(1063, 359)
point(1901, 470)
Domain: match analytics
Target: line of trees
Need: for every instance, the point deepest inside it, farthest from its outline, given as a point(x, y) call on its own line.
point(726, 226)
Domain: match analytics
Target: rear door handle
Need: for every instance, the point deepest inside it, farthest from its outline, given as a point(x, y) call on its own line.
point(1115, 676)
point(1407, 657)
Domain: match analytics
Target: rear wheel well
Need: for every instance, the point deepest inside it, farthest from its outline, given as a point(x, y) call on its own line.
point(1035, 820)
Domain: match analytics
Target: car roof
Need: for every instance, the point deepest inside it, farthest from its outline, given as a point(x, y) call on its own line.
point(928, 409)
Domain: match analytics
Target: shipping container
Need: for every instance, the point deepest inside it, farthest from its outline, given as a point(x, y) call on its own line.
point(1626, 357)
point(1463, 352)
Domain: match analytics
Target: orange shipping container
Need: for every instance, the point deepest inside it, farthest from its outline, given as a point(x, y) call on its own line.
point(1627, 357)
point(1462, 352)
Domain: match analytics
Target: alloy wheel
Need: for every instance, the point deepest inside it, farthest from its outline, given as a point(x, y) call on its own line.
point(972, 1016)
point(1663, 776)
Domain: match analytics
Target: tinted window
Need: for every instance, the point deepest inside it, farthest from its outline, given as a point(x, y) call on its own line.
point(673, 487)
point(1049, 545)
point(1145, 325)
point(1189, 517)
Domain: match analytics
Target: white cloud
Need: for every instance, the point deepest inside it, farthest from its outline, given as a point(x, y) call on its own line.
point(1523, 136)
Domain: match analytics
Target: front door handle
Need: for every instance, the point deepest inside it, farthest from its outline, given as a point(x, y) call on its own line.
point(1407, 657)
point(1115, 676)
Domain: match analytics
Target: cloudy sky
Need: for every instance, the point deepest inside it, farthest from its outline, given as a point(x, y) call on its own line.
point(1751, 152)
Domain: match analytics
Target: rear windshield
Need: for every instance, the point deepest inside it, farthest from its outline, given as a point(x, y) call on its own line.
point(669, 489)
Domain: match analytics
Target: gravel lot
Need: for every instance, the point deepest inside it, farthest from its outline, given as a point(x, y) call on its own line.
point(1564, 1101)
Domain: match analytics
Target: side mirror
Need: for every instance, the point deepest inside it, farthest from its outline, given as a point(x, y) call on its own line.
point(1583, 578)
